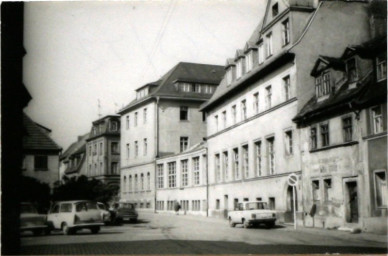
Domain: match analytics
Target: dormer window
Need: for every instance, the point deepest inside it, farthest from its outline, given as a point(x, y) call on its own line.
point(197, 88)
point(261, 53)
point(185, 87)
point(275, 9)
point(142, 93)
point(269, 45)
point(229, 76)
point(286, 32)
point(113, 126)
point(240, 67)
point(250, 59)
point(351, 70)
point(322, 84)
point(381, 65)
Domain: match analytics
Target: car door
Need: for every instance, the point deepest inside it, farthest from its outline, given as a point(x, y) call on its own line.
point(66, 214)
point(52, 217)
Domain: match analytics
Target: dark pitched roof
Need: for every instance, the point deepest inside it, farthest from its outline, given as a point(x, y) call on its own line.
point(185, 72)
point(328, 62)
point(35, 138)
point(369, 49)
point(74, 169)
point(76, 147)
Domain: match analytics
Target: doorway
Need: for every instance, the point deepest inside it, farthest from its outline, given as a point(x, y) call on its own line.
point(226, 206)
point(289, 214)
point(351, 200)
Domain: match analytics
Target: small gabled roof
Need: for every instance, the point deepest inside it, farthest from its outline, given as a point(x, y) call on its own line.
point(35, 138)
point(239, 54)
point(183, 71)
point(76, 147)
point(229, 62)
point(369, 49)
point(325, 62)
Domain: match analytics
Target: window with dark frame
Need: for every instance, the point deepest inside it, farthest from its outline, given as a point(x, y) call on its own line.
point(271, 155)
point(217, 167)
point(286, 32)
point(287, 87)
point(315, 190)
point(288, 142)
point(135, 119)
point(347, 128)
point(313, 138)
point(234, 114)
point(351, 70)
point(172, 175)
point(327, 189)
point(184, 143)
point(377, 119)
point(245, 152)
point(381, 65)
point(256, 102)
point(381, 189)
point(196, 178)
point(184, 113)
point(258, 158)
point(275, 9)
point(236, 166)
point(184, 172)
point(269, 97)
point(114, 147)
point(225, 166)
point(243, 109)
point(160, 176)
point(41, 163)
point(324, 129)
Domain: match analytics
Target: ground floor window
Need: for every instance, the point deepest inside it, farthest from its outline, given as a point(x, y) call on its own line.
point(381, 190)
point(196, 205)
point(217, 204)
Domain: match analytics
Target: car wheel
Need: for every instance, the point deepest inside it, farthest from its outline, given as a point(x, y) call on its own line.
point(270, 224)
point(245, 224)
point(231, 223)
point(37, 232)
point(95, 230)
point(66, 230)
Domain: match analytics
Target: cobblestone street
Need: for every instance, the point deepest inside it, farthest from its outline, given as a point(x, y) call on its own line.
point(170, 234)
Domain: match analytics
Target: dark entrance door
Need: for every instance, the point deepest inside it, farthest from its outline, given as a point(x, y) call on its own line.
point(289, 214)
point(352, 207)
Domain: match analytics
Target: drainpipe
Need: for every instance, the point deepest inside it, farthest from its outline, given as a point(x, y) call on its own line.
point(156, 149)
point(207, 183)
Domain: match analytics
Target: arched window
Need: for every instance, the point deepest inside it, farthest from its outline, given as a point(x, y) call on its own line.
point(130, 183)
point(124, 184)
point(135, 182)
point(142, 182)
point(148, 181)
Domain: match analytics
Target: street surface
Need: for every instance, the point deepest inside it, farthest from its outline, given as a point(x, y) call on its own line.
point(171, 234)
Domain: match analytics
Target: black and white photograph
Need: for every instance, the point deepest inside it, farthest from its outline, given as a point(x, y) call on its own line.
point(187, 127)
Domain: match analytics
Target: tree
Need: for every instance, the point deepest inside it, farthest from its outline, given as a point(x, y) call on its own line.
point(35, 191)
point(82, 188)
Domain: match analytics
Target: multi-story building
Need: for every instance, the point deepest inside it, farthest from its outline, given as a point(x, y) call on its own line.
point(182, 178)
point(343, 131)
point(40, 153)
point(73, 160)
point(163, 120)
point(264, 86)
point(103, 150)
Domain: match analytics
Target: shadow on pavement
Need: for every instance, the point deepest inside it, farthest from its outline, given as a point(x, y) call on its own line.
point(191, 247)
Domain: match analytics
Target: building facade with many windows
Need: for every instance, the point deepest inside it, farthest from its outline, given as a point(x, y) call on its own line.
point(103, 150)
point(182, 178)
point(262, 91)
point(344, 140)
point(164, 119)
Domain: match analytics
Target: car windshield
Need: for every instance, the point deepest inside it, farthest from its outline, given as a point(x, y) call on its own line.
point(101, 206)
point(27, 208)
point(91, 205)
point(257, 206)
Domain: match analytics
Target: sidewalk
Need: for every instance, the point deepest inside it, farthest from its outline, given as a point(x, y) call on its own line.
point(288, 228)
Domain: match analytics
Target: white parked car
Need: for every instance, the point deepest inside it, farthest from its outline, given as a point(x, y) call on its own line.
point(252, 213)
point(70, 216)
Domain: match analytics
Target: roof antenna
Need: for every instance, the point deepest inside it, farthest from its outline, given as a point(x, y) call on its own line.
point(99, 108)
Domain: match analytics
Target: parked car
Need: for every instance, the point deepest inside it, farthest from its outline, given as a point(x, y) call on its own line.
point(31, 220)
point(105, 214)
point(70, 216)
point(252, 213)
point(124, 212)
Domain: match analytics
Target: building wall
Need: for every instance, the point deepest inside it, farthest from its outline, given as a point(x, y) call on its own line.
point(50, 176)
point(181, 192)
point(96, 162)
point(144, 198)
point(171, 128)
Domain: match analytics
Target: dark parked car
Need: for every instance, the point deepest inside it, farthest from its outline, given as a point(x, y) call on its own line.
point(123, 212)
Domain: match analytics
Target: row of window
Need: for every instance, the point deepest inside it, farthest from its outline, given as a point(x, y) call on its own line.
point(245, 63)
point(96, 169)
point(114, 148)
point(113, 127)
point(320, 134)
point(136, 148)
point(221, 120)
point(137, 183)
point(195, 205)
point(197, 88)
point(141, 205)
point(188, 175)
point(135, 118)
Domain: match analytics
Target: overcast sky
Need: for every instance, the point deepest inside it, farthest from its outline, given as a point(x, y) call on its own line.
point(79, 52)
